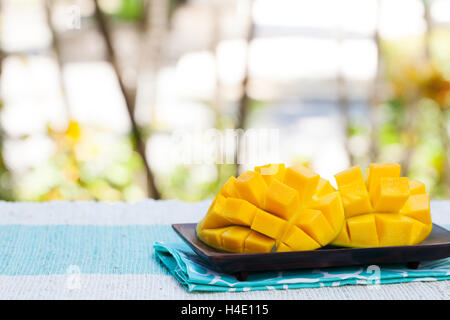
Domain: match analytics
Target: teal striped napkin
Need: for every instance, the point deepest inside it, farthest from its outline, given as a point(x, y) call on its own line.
point(195, 275)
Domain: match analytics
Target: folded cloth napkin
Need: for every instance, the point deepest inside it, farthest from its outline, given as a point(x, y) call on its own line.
point(195, 275)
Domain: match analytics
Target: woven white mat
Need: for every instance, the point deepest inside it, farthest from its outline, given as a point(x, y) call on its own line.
point(159, 285)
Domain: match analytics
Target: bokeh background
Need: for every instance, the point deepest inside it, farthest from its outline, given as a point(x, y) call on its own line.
point(92, 91)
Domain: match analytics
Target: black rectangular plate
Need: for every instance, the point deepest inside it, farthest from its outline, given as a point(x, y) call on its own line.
point(436, 246)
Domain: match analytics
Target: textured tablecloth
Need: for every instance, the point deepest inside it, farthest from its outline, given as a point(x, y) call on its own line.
point(91, 250)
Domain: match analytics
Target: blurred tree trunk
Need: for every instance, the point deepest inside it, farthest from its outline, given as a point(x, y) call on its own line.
point(129, 97)
point(154, 31)
point(56, 47)
point(244, 102)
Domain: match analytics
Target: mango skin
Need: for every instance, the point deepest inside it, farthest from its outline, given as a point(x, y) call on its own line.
point(400, 213)
point(273, 208)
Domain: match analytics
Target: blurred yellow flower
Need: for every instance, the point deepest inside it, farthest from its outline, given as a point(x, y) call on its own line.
point(73, 131)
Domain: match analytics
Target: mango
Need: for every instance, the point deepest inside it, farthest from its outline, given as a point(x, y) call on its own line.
point(273, 208)
point(229, 189)
point(418, 208)
point(303, 180)
point(378, 170)
point(238, 211)
point(315, 225)
point(352, 188)
point(213, 236)
point(268, 224)
point(416, 187)
point(258, 243)
point(390, 194)
point(282, 200)
point(251, 186)
point(269, 172)
point(400, 213)
point(214, 217)
point(233, 239)
point(279, 209)
point(296, 239)
point(324, 187)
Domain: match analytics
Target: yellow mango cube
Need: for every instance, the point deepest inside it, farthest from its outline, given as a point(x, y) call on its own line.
point(355, 199)
point(281, 200)
point(379, 170)
point(239, 211)
point(363, 231)
point(233, 239)
point(351, 175)
point(420, 232)
point(324, 188)
point(304, 180)
point(332, 209)
point(314, 223)
point(256, 242)
point(251, 187)
point(268, 224)
point(416, 187)
point(271, 171)
point(229, 190)
point(213, 236)
point(391, 194)
point(214, 217)
point(296, 239)
point(394, 229)
point(418, 208)
point(343, 238)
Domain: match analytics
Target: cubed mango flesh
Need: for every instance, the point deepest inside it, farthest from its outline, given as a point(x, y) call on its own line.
point(229, 189)
point(401, 209)
point(355, 199)
point(268, 224)
point(351, 175)
point(331, 207)
point(390, 194)
point(315, 225)
point(258, 243)
point(324, 188)
point(418, 207)
point(363, 230)
point(395, 230)
point(297, 239)
point(294, 209)
point(239, 211)
point(304, 180)
point(416, 187)
point(377, 171)
point(251, 186)
point(281, 200)
point(271, 171)
point(353, 190)
point(273, 208)
point(233, 239)
point(213, 236)
point(214, 217)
